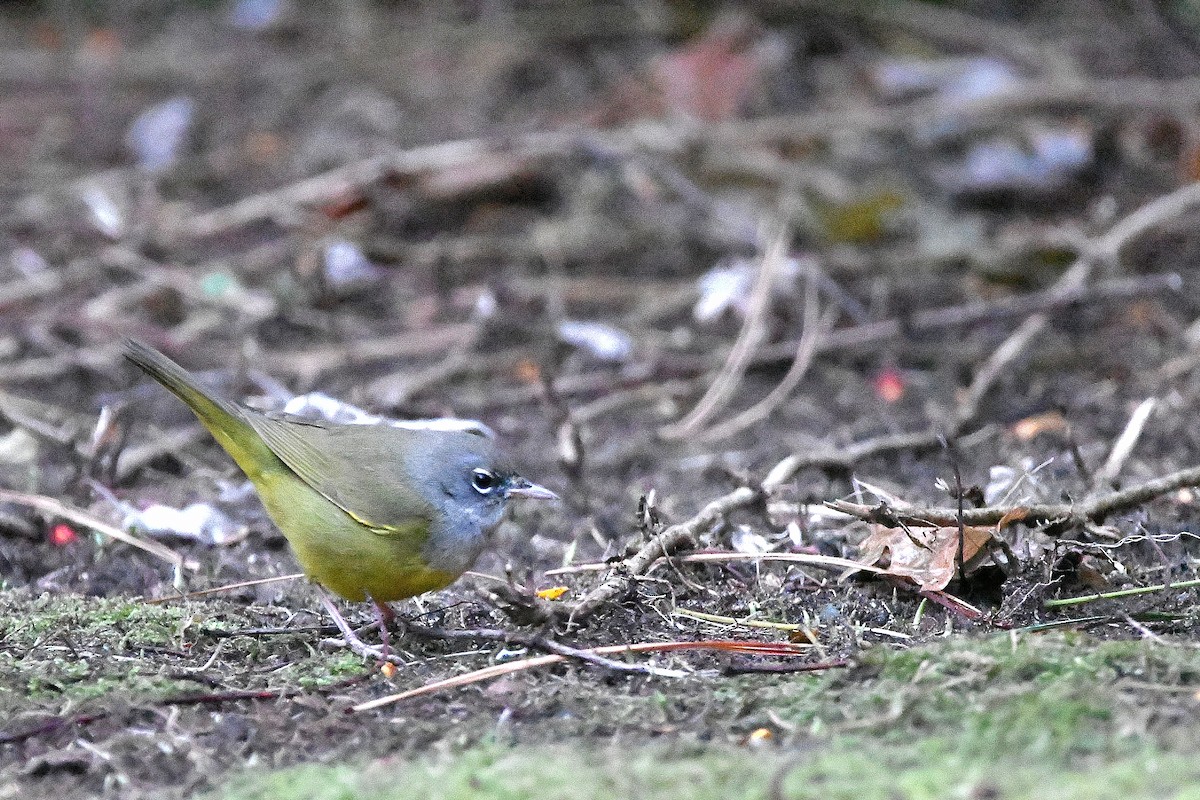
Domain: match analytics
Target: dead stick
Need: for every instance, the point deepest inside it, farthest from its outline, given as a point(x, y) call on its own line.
point(672, 539)
point(1066, 514)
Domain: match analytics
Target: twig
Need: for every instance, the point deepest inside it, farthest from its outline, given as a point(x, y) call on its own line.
point(673, 538)
point(745, 622)
point(1091, 598)
point(50, 726)
point(621, 399)
point(844, 458)
point(49, 505)
point(814, 330)
point(959, 498)
point(312, 362)
point(536, 642)
point(952, 603)
point(741, 667)
point(812, 559)
point(99, 358)
point(1048, 300)
point(1125, 442)
point(229, 587)
point(496, 670)
point(991, 371)
point(754, 330)
point(1067, 515)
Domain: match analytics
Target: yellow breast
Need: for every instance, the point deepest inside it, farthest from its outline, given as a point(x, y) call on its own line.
point(344, 555)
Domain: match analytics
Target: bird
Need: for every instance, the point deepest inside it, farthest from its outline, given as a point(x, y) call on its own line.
point(373, 513)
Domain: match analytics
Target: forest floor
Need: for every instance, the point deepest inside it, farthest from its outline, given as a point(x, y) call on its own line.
point(860, 342)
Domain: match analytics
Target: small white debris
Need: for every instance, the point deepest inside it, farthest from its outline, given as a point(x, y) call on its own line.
point(1045, 161)
point(486, 304)
point(157, 135)
point(199, 521)
point(319, 406)
point(1001, 480)
point(795, 535)
point(601, 340)
point(727, 288)
point(949, 78)
point(347, 268)
point(722, 288)
point(18, 447)
point(106, 214)
point(745, 540)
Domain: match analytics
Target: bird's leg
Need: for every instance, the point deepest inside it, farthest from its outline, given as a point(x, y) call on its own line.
point(352, 641)
point(384, 617)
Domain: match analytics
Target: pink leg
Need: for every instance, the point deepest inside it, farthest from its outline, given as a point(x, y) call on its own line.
point(384, 617)
point(352, 640)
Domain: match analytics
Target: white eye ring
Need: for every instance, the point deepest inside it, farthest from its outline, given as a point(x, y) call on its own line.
point(484, 481)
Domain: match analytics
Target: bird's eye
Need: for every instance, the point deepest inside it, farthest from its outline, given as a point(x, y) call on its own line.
point(484, 480)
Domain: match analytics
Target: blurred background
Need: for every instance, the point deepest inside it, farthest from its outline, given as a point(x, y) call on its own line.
point(557, 217)
point(656, 246)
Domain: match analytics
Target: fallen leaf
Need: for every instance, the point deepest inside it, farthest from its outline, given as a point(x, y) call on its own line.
point(1049, 422)
point(710, 79)
point(926, 555)
point(553, 593)
point(1012, 515)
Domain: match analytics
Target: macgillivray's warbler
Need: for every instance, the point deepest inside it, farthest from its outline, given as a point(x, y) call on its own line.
point(372, 512)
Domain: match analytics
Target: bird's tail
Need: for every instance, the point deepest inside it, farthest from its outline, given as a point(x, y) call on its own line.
point(226, 422)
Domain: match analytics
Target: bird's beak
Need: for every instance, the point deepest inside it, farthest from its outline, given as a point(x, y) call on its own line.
point(519, 487)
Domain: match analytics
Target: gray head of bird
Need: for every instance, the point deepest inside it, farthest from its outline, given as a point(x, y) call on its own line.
point(471, 481)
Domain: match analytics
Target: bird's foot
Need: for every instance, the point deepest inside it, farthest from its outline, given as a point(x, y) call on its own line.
point(351, 640)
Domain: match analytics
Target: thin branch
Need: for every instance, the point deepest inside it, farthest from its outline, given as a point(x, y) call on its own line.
point(496, 670)
point(229, 587)
point(1125, 442)
point(1065, 514)
point(48, 505)
point(1091, 598)
point(753, 331)
point(674, 538)
point(539, 642)
point(814, 330)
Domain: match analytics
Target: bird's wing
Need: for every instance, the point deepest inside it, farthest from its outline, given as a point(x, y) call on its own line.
point(350, 466)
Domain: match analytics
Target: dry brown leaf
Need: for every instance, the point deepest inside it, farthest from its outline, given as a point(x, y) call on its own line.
point(1012, 515)
point(1049, 422)
point(926, 555)
point(710, 78)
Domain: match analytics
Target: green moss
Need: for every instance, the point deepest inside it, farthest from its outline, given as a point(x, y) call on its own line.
point(326, 668)
point(92, 622)
point(84, 648)
point(841, 768)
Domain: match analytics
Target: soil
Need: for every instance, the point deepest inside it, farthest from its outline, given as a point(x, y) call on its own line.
point(400, 206)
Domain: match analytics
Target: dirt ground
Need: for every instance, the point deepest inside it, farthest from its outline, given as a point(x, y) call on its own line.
point(759, 290)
